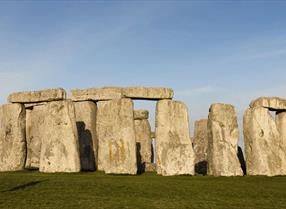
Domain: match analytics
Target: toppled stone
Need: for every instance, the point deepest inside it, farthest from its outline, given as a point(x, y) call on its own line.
point(143, 143)
point(200, 144)
point(46, 95)
point(116, 137)
point(148, 93)
point(174, 151)
point(12, 137)
point(86, 127)
point(141, 114)
point(97, 94)
point(60, 148)
point(34, 129)
point(223, 136)
point(264, 146)
point(272, 103)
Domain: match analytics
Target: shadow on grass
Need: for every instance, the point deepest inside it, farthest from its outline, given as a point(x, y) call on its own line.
point(23, 186)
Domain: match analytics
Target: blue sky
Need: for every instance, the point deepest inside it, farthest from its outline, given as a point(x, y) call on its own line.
point(207, 51)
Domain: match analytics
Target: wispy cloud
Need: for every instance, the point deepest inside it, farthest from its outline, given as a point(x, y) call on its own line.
point(198, 91)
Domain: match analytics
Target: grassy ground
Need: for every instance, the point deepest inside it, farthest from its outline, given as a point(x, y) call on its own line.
point(96, 190)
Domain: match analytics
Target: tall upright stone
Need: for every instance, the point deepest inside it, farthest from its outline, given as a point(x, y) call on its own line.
point(264, 146)
point(60, 148)
point(200, 143)
point(12, 137)
point(34, 130)
point(86, 126)
point(143, 140)
point(223, 136)
point(174, 151)
point(116, 137)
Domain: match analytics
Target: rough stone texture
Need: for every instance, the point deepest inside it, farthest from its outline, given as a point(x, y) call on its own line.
point(143, 143)
point(200, 144)
point(148, 93)
point(97, 94)
point(60, 148)
point(12, 137)
point(174, 151)
point(34, 129)
point(223, 136)
point(150, 167)
point(273, 103)
point(264, 146)
point(141, 114)
point(116, 137)
point(37, 96)
point(153, 135)
point(86, 126)
point(31, 105)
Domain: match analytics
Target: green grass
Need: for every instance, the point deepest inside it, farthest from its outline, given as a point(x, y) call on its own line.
point(96, 190)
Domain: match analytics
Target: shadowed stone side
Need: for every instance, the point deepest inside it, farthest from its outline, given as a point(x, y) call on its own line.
point(223, 136)
point(174, 151)
point(12, 137)
point(60, 148)
point(86, 126)
point(37, 96)
point(264, 146)
point(200, 143)
point(34, 130)
point(143, 143)
point(116, 137)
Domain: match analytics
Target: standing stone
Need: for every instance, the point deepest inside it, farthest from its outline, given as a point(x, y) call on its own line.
point(116, 137)
point(37, 96)
point(264, 147)
point(12, 137)
point(174, 151)
point(86, 127)
point(60, 148)
point(141, 114)
point(200, 143)
point(223, 136)
point(143, 143)
point(34, 132)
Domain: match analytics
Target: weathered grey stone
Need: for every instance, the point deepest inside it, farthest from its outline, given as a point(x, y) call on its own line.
point(116, 137)
point(264, 146)
point(31, 105)
point(12, 137)
point(97, 94)
point(37, 96)
point(86, 126)
point(34, 130)
point(143, 143)
point(148, 93)
point(141, 114)
point(150, 167)
point(174, 151)
point(273, 103)
point(60, 148)
point(200, 144)
point(223, 135)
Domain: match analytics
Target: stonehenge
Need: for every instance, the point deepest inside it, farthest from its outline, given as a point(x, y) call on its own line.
point(99, 129)
point(174, 151)
point(223, 135)
point(200, 143)
point(264, 137)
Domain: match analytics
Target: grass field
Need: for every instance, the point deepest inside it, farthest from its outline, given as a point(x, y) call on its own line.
point(96, 190)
